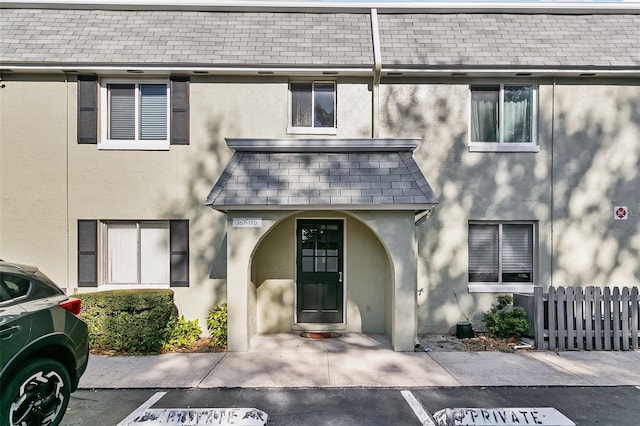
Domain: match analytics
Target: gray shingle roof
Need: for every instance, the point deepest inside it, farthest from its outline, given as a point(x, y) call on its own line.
point(264, 180)
point(184, 37)
point(485, 39)
point(309, 38)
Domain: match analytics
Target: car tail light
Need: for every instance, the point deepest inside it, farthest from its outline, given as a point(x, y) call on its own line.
point(72, 305)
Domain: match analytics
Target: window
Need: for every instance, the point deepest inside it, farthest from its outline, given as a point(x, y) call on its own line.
point(313, 106)
point(136, 253)
point(503, 118)
point(141, 253)
point(500, 256)
point(135, 115)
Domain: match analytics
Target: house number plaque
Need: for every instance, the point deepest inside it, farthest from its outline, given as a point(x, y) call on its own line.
point(247, 222)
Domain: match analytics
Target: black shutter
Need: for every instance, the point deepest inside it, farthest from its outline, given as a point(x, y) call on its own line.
point(87, 109)
point(179, 248)
point(87, 253)
point(179, 110)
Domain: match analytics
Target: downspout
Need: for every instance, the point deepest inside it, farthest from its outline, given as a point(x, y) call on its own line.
point(553, 132)
point(66, 159)
point(377, 66)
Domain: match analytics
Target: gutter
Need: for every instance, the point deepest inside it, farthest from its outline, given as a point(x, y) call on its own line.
point(569, 7)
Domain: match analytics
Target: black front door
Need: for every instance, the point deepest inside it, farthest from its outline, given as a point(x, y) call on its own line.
point(319, 266)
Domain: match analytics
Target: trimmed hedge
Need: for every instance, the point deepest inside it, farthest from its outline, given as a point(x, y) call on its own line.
point(131, 321)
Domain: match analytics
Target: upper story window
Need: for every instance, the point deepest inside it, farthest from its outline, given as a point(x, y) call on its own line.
point(503, 118)
point(135, 114)
point(313, 107)
point(501, 256)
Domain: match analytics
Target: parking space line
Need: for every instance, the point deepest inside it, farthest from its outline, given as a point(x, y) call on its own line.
point(422, 414)
point(141, 409)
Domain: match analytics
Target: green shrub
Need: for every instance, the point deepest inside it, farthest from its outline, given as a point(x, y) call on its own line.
point(181, 333)
point(129, 321)
point(506, 320)
point(217, 326)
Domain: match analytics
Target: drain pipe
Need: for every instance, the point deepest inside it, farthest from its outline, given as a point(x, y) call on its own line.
point(553, 180)
point(377, 67)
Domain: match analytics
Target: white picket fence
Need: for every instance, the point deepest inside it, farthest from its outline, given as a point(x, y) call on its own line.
point(587, 318)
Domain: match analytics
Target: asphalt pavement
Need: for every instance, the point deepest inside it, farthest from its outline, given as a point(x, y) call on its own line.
point(356, 360)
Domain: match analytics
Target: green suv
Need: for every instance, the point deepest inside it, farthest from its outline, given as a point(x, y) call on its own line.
point(43, 347)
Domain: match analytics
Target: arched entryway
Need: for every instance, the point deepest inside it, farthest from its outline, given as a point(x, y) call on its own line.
point(355, 264)
point(368, 192)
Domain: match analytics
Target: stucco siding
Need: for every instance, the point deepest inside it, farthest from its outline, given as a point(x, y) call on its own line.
point(33, 173)
point(587, 164)
point(596, 168)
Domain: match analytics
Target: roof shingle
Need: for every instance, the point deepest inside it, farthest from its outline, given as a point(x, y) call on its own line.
point(498, 39)
point(382, 180)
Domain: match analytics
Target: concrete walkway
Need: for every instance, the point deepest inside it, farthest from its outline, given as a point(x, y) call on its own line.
point(355, 360)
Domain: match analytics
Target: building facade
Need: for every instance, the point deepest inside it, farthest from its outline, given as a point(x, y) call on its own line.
point(326, 166)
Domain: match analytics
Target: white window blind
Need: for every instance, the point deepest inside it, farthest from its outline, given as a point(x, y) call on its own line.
point(153, 111)
point(517, 248)
point(483, 253)
point(122, 253)
point(137, 113)
point(154, 253)
point(137, 253)
point(501, 253)
point(122, 110)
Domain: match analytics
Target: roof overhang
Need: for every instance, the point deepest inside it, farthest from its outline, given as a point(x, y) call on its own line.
point(575, 7)
point(322, 174)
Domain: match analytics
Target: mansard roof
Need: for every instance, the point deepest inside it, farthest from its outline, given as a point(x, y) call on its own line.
point(191, 35)
point(298, 174)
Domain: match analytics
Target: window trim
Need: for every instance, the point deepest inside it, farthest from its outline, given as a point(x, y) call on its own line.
point(501, 287)
point(502, 146)
point(135, 144)
point(312, 130)
point(104, 284)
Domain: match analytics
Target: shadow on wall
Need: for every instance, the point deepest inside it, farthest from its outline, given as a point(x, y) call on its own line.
point(593, 165)
point(204, 162)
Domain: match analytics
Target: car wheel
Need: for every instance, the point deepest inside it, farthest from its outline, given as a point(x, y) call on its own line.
point(37, 395)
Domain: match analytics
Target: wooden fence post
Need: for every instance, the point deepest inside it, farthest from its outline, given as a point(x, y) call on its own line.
point(607, 318)
point(616, 318)
point(580, 322)
point(552, 299)
point(570, 315)
point(597, 316)
point(624, 317)
point(538, 317)
point(562, 319)
point(635, 321)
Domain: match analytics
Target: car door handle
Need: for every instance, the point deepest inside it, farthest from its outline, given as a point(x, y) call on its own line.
point(8, 332)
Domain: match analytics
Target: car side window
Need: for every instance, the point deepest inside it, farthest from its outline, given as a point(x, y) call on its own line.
point(12, 287)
